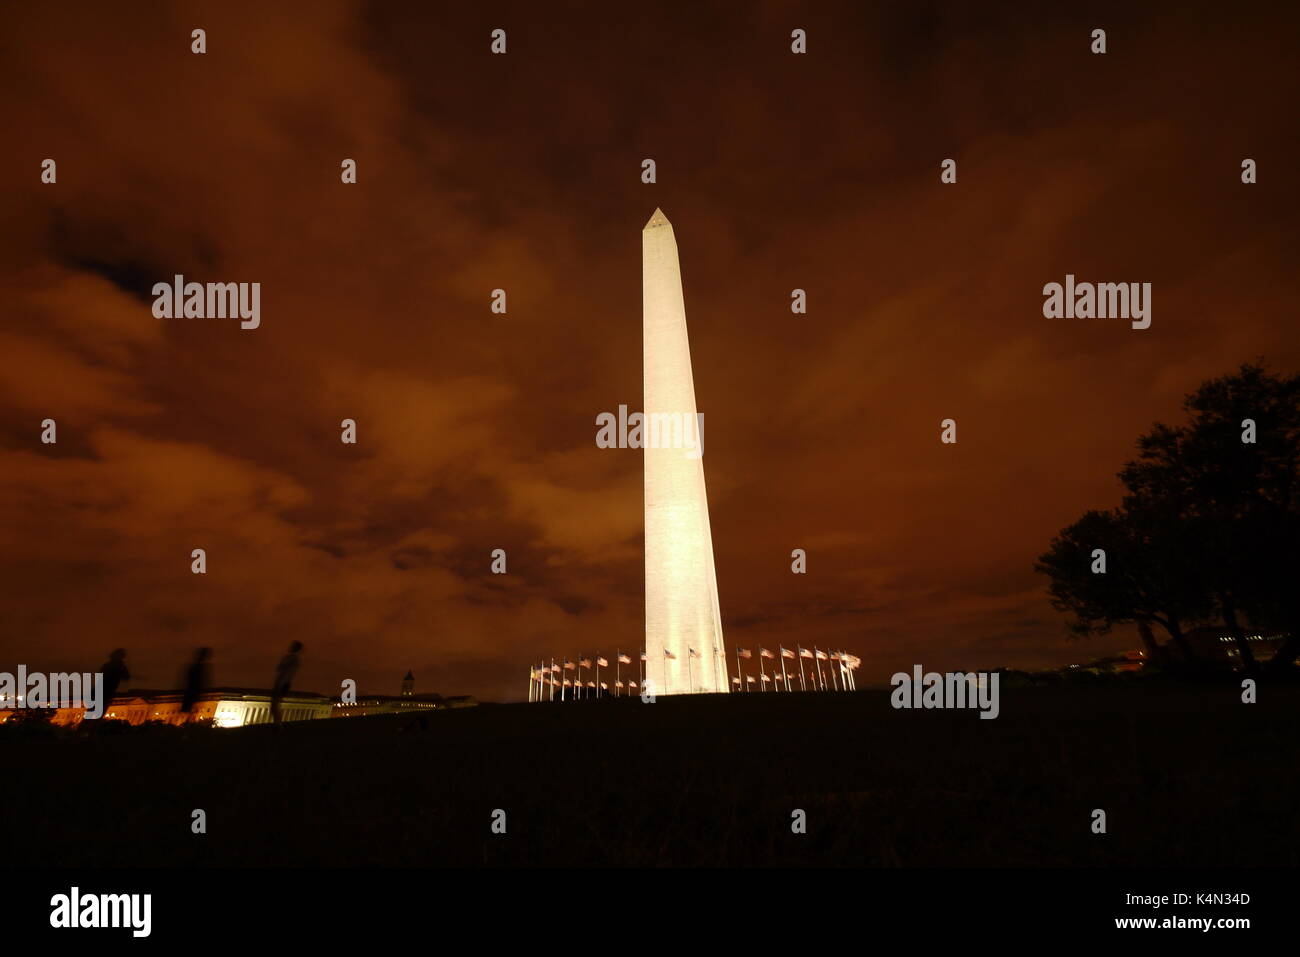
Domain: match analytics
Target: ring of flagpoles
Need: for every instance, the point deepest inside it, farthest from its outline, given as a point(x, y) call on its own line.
point(547, 681)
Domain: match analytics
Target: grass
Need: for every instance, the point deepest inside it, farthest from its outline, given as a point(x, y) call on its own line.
point(1187, 777)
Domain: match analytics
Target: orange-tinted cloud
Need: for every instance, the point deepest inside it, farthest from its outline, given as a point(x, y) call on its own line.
point(522, 172)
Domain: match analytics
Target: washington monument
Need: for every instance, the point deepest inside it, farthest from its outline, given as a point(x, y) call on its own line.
point(683, 626)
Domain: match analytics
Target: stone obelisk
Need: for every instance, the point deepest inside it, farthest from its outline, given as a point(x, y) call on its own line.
point(683, 626)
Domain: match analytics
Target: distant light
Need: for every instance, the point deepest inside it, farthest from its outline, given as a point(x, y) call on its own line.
point(228, 718)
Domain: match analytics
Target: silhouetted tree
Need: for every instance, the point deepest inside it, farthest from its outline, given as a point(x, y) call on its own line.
point(1258, 495)
point(1137, 586)
point(1210, 523)
point(1233, 500)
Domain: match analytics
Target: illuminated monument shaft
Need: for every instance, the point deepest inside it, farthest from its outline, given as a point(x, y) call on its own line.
point(681, 588)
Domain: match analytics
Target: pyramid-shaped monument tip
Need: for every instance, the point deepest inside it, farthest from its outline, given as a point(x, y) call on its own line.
point(658, 219)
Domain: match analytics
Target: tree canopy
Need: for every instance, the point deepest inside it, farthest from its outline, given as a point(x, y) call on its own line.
point(1208, 528)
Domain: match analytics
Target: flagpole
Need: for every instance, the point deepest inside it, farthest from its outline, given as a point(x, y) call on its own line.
point(821, 682)
point(618, 661)
point(597, 676)
point(798, 649)
point(783, 677)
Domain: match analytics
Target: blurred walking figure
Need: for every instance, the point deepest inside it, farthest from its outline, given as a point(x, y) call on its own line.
point(284, 672)
point(114, 672)
point(196, 682)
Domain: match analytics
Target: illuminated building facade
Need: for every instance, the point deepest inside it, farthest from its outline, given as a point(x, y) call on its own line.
point(223, 707)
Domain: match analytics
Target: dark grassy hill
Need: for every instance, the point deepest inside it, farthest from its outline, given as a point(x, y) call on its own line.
point(1186, 777)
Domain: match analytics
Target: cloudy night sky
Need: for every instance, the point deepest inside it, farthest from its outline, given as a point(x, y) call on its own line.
point(477, 431)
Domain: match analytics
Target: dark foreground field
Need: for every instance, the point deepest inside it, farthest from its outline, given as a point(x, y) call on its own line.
point(1187, 777)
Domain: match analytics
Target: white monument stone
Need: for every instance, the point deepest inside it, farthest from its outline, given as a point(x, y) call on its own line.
point(683, 626)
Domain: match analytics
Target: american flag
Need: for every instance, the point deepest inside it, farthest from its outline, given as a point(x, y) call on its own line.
point(787, 653)
point(568, 665)
point(602, 662)
point(805, 653)
point(766, 678)
point(624, 659)
point(643, 656)
point(631, 683)
point(744, 653)
point(821, 654)
point(618, 684)
point(692, 652)
point(763, 652)
point(669, 654)
point(584, 662)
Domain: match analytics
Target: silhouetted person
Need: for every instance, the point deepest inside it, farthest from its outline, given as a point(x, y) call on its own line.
point(114, 672)
point(284, 672)
point(196, 682)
